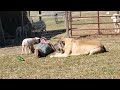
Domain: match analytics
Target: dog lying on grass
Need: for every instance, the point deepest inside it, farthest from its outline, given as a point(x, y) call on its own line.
point(79, 47)
point(27, 45)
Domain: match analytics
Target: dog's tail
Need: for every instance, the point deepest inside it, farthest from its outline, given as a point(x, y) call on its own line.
point(104, 49)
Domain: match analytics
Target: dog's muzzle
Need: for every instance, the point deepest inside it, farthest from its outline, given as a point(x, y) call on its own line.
point(59, 47)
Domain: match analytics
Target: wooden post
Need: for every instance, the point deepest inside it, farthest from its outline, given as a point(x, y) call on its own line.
point(40, 16)
point(80, 13)
point(70, 21)
point(2, 33)
point(66, 24)
point(28, 15)
point(117, 12)
point(22, 22)
point(98, 22)
point(30, 20)
point(56, 18)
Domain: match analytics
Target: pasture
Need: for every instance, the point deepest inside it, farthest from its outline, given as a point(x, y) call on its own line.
point(98, 66)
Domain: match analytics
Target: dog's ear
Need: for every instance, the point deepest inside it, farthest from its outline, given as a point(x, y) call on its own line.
point(62, 39)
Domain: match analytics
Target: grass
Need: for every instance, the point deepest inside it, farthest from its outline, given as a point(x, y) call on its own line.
point(98, 66)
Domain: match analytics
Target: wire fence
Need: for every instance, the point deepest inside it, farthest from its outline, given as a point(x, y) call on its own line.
point(53, 20)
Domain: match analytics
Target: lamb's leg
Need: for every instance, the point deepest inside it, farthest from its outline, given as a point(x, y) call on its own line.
point(22, 49)
point(26, 52)
point(29, 49)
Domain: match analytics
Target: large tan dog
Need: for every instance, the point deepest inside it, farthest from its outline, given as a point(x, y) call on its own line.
point(80, 47)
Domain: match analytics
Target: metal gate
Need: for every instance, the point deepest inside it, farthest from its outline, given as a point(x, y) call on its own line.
point(90, 23)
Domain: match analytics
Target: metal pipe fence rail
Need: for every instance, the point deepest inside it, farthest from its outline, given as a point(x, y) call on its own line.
point(102, 24)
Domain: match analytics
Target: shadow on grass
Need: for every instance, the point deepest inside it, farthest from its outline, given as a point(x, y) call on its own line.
point(47, 34)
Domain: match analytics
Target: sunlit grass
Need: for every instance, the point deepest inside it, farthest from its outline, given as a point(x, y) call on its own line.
point(104, 65)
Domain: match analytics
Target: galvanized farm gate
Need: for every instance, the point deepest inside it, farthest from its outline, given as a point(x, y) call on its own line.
point(94, 22)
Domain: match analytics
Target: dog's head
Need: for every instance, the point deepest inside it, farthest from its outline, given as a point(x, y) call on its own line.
point(59, 46)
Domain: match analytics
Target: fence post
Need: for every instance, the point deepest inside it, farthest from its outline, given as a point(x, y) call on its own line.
point(66, 23)
point(98, 23)
point(117, 12)
point(28, 15)
point(40, 16)
point(80, 13)
point(70, 20)
point(2, 33)
point(22, 22)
